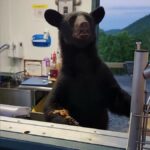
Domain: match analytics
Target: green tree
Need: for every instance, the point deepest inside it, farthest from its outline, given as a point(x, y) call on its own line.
point(116, 48)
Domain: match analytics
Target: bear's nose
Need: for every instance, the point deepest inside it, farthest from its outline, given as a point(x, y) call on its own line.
point(84, 27)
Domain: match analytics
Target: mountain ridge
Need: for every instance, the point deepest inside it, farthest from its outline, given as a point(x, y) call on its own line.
point(134, 28)
point(139, 30)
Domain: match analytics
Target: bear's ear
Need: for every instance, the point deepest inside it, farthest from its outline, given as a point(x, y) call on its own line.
point(53, 17)
point(98, 14)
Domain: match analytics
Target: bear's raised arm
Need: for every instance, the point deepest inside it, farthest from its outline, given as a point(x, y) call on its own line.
point(118, 99)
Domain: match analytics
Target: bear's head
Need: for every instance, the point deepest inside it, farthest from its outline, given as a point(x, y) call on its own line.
point(77, 29)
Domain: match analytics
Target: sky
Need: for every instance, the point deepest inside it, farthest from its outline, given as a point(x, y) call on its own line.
point(121, 13)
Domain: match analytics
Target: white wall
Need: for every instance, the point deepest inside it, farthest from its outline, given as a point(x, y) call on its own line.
point(18, 23)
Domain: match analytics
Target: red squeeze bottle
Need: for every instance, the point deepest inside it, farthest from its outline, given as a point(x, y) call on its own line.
point(54, 57)
point(54, 71)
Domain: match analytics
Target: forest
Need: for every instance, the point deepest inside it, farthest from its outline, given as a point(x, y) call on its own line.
point(119, 45)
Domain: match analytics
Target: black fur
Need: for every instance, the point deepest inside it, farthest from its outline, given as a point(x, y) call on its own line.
point(85, 87)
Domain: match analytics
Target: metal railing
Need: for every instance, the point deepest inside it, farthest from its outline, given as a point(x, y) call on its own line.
point(140, 105)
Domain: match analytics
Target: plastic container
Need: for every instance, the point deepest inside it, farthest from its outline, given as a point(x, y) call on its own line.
point(45, 66)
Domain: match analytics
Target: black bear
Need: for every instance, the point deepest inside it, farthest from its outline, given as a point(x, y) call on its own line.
point(85, 88)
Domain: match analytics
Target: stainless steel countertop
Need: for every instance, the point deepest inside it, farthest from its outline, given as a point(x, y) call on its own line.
point(41, 88)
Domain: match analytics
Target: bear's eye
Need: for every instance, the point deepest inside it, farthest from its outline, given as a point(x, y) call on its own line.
point(88, 19)
point(72, 20)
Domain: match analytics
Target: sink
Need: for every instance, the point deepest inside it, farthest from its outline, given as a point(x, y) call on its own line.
point(7, 81)
point(16, 96)
point(10, 93)
point(13, 92)
point(11, 84)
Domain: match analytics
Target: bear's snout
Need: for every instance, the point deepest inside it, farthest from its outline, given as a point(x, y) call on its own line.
point(81, 28)
point(84, 30)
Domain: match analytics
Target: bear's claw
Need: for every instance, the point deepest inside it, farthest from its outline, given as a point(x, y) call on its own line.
point(65, 115)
